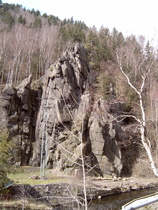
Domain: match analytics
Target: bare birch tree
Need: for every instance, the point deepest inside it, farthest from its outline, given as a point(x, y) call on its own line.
point(141, 67)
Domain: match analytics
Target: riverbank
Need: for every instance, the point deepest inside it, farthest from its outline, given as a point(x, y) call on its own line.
point(66, 194)
point(121, 185)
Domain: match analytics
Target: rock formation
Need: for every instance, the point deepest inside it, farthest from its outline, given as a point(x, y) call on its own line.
point(18, 106)
point(53, 123)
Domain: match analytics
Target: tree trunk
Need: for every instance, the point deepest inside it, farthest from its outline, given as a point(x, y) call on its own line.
point(142, 120)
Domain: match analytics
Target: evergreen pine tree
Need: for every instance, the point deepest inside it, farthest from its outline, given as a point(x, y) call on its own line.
point(4, 155)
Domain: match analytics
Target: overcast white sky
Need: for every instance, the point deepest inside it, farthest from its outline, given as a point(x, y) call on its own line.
point(139, 17)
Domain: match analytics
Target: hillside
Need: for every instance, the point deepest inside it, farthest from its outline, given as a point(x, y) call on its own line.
point(50, 69)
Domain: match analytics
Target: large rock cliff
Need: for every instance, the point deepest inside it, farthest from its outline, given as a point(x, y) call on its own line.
point(18, 110)
point(57, 120)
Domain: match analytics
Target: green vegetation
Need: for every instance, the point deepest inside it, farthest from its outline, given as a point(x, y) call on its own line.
point(37, 23)
point(21, 20)
point(74, 31)
point(4, 155)
point(106, 85)
point(52, 20)
point(8, 19)
point(49, 36)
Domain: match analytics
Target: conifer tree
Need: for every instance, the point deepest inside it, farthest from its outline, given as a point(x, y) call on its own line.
point(4, 155)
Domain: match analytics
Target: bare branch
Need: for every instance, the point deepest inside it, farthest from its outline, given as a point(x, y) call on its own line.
point(128, 80)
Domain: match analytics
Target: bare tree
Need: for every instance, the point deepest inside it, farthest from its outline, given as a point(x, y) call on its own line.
point(141, 67)
point(77, 132)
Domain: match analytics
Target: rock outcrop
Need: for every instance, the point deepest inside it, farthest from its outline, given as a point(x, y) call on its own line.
point(18, 108)
point(61, 121)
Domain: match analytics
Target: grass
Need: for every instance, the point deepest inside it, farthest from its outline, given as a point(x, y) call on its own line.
point(24, 204)
point(22, 175)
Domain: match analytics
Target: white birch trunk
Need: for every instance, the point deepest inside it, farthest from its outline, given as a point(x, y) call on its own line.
point(144, 140)
point(142, 122)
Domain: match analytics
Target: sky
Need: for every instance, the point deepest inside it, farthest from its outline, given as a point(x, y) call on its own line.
point(138, 17)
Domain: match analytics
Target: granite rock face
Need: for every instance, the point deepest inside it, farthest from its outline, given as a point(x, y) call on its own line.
point(61, 121)
point(18, 106)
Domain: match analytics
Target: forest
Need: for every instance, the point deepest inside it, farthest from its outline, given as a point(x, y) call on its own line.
point(124, 69)
point(31, 42)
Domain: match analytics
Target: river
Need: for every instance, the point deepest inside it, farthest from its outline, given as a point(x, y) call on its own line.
point(115, 202)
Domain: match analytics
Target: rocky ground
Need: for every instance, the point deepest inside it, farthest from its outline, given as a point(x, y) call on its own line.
point(109, 184)
point(100, 187)
point(63, 193)
point(125, 184)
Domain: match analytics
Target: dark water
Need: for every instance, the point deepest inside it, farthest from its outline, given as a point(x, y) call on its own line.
point(115, 202)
